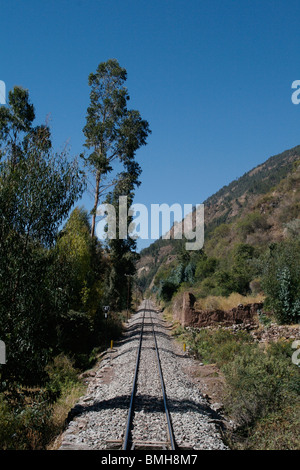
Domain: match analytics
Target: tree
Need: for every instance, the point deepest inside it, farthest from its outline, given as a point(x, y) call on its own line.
point(243, 269)
point(122, 251)
point(75, 251)
point(113, 133)
point(205, 267)
point(166, 290)
point(37, 190)
point(17, 134)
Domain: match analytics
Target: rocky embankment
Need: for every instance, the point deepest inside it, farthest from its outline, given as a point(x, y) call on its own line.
point(186, 313)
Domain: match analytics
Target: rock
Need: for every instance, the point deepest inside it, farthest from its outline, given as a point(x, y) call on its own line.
point(185, 312)
point(217, 406)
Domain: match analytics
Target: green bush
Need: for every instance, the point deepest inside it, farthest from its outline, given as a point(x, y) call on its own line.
point(262, 385)
point(7, 423)
point(166, 290)
point(252, 222)
point(259, 382)
point(279, 430)
point(220, 346)
point(61, 374)
point(281, 280)
point(26, 414)
point(24, 422)
point(205, 268)
point(75, 332)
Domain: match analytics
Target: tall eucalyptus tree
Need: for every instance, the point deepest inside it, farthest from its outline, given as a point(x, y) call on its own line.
point(113, 133)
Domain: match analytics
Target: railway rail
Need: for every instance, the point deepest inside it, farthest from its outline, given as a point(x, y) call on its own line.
point(127, 406)
point(155, 405)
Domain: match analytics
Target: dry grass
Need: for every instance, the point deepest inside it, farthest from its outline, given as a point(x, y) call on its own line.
point(61, 409)
point(226, 303)
point(279, 431)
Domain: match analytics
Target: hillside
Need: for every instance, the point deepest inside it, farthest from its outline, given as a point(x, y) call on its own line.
point(230, 201)
point(242, 219)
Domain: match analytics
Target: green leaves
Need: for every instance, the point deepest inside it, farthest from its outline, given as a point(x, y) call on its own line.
point(37, 190)
point(15, 120)
point(113, 133)
point(281, 280)
point(105, 114)
point(20, 114)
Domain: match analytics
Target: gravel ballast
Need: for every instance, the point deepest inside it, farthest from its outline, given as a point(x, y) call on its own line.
point(100, 417)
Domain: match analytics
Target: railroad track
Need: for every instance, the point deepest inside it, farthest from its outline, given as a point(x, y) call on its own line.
point(126, 404)
point(148, 406)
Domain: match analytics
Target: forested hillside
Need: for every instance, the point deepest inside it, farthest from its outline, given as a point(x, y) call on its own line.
point(251, 243)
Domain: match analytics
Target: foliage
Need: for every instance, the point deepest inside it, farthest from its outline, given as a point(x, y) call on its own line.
point(293, 228)
point(113, 133)
point(166, 290)
point(24, 427)
point(81, 258)
point(251, 222)
point(122, 249)
point(219, 346)
point(52, 281)
point(281, 280)
point(189, 273)
point(27, 417)
point(205, 267)
point(261, 386)
point(260, 382)
point(37, 190)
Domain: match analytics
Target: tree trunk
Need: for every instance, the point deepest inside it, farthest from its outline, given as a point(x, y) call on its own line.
point(98, 177)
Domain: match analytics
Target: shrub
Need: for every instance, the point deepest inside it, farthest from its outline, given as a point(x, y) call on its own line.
point(23, 424)
point(252, 222)
point(166, 290)
point(281, 280)
point(61, 374)
point(277, 431)
point(259, 382)
point(205, 268)
point(75, 332)
point(218, 346)
point(262, 389)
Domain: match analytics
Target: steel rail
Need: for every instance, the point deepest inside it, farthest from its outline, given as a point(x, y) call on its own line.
point(133, 392)
point(130, 411)
point(169, 424)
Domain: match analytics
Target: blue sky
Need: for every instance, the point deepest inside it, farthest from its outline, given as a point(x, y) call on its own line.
point(212, 77)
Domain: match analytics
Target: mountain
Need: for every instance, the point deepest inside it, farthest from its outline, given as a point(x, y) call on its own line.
point(229, 201)
point(255, 209)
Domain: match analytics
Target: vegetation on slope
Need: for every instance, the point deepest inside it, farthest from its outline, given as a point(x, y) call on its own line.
point(262, 386)
point(256, 252)
point(251, 253)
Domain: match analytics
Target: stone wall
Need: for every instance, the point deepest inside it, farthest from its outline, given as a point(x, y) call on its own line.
point(187, 315)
